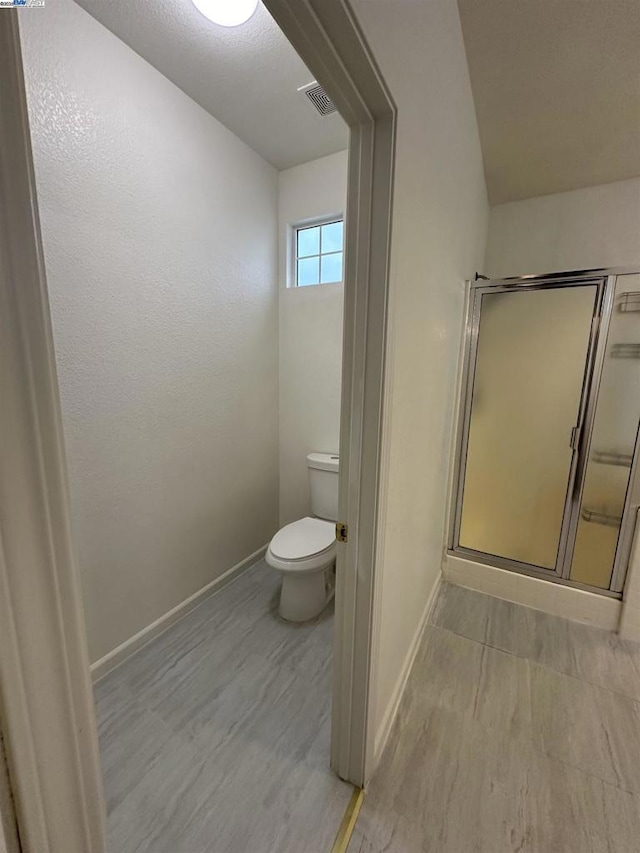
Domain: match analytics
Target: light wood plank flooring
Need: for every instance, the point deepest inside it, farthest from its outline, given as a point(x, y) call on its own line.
point(518, 732)
point(215, 736)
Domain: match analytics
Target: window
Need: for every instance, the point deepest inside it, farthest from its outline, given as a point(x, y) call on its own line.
point(318, 253)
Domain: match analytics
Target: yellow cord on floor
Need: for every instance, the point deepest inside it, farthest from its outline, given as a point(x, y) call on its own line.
point(349, 819)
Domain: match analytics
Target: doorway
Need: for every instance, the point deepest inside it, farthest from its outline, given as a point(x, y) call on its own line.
point(58, 798)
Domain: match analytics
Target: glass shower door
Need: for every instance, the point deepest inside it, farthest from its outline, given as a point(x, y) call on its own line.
point(612, 445)
point(528, 379)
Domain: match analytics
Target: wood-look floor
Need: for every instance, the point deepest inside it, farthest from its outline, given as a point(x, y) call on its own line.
point(518, 731)
point(215, 736)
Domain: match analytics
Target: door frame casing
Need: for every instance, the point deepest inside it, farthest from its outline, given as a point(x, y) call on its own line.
point(605, 278)
point(47, 715)
point(46, 703)
point(344, 65)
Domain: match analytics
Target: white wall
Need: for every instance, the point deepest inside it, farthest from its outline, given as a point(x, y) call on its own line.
point(594, 227)
point(439, 232)
point(310, 335)
point(159, 233)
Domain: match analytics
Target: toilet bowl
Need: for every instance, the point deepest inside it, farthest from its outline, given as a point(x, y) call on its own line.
point(304, 552)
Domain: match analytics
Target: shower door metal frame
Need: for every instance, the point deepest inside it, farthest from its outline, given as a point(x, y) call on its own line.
point(604, 280)
point(628, 523)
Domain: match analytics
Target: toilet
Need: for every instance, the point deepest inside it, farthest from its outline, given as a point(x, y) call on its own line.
point(304, 552)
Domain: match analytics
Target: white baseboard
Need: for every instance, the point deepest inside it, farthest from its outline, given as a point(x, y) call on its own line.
point(384, 730)
point(554, 598)
point(115, 657)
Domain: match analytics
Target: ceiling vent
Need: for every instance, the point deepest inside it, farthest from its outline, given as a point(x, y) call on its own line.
point(319, 98)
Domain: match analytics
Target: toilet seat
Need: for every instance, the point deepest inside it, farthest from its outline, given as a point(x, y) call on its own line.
point(302, 539)
point(308, 544)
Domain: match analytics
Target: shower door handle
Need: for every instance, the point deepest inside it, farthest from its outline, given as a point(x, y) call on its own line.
point(575, 437)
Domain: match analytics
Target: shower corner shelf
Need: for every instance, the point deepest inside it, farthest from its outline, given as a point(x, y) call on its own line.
point(596, 516)
point(628, 302)
point(609, 457)
point(625, 351)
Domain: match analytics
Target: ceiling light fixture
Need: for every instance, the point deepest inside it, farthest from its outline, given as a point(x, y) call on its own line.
point(227, 13)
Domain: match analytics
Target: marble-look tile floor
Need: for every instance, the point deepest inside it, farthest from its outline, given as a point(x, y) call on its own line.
point(215, 736)
point(518, 731)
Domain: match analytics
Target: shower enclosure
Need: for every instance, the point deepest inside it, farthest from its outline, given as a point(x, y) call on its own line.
point(544, 482)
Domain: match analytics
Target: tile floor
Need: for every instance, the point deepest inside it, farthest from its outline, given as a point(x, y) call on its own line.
point(518, 731)
point(215, 736)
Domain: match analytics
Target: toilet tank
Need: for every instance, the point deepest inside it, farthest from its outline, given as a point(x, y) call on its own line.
point(323, 479)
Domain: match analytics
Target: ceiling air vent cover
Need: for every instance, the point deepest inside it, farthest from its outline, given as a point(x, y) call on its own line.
point(319, 98)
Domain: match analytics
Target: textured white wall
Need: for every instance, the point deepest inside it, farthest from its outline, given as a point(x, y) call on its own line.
point(310, 336)
point(159, 233)
point(439, 232)
point(595, 227)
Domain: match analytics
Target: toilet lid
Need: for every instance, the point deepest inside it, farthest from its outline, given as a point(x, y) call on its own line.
point(304, 538)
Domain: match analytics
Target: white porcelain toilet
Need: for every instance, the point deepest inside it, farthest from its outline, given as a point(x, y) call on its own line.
point(304, 552)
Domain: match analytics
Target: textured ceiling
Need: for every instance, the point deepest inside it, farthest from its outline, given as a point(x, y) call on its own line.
point(246, 76)
point(556, 85)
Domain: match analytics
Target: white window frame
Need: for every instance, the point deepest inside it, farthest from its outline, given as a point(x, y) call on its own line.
point(292, 248)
